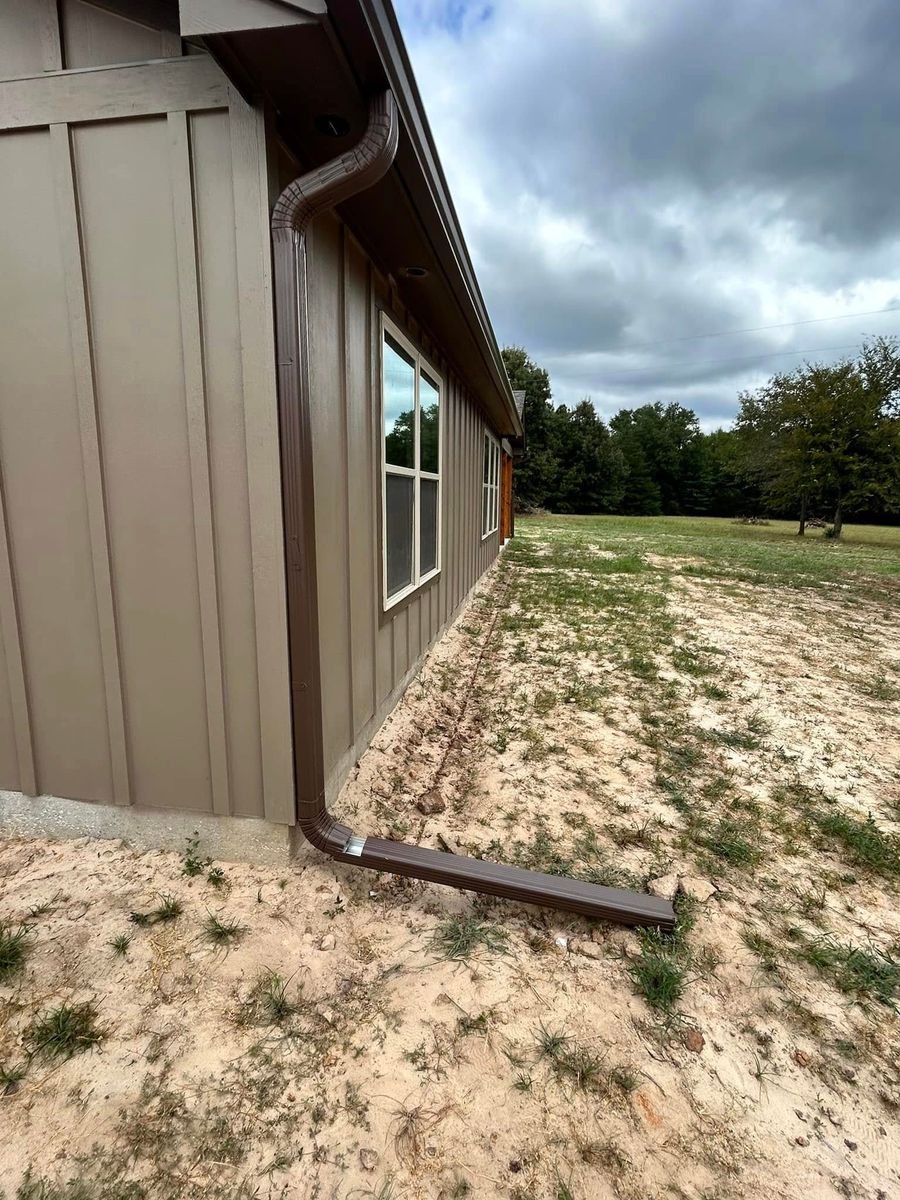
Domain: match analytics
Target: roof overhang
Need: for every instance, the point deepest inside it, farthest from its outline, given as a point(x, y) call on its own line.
point(318, 63)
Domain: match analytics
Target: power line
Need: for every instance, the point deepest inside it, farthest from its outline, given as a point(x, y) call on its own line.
point(702, 362)
point(692, 337)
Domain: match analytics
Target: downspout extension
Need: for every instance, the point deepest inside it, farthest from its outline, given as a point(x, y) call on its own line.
point(307, 195)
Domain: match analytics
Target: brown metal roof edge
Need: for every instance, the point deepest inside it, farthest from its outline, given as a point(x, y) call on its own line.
point(353, 171)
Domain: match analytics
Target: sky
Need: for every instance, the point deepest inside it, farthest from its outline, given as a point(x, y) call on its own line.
point(642, 184)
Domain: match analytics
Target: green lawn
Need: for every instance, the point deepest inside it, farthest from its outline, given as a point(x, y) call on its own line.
point(765, 553)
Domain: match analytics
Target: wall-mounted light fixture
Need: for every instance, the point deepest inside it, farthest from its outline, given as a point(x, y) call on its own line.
point(331, 125)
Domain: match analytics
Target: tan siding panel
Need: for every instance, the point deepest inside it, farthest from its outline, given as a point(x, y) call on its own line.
point(83, 375)
point(260, 407)
point(96, 37)
point(361, 477)
point(44, 488)
point(27, 37)
point(364, 651)
point(400, 625)
point(327, 373)
point(122, 171)
point(183, 211)
point(384, 657)
point(9, 758)
point(211, 152)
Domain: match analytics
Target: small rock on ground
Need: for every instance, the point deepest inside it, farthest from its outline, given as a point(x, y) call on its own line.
point(696, 888)
point(587, 948)
point(693, 1040)
point(368, 1159)
point(665, 886)
point(431, 802)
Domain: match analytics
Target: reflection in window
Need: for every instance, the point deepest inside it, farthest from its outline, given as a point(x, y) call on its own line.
point(490, 487)
point(411, 404)
point(429, 424)
point(398, 521)
point(399, 405)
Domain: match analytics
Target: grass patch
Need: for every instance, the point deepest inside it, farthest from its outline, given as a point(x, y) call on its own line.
point(191, 862)
point(460, 938)
point(661, 969)
point(659, 975)
point(119, 944)
point(222, 932)
point(574, 1063)
point(864, 971)
point(268, 1002)
point(585, 859)
point(880, 688)
point(168, 909)
point(15, 945)
point(727, 841)
point(764, 950)
point(867, 846)
point(10, 1078)
point(65, 1031)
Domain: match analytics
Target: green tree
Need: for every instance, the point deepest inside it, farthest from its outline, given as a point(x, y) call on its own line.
point(535, 472)
point(662, 451)
point(589, 467)
point(828, 433)
point(728, 493)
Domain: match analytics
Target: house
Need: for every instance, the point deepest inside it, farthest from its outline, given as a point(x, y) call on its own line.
point(255, 432)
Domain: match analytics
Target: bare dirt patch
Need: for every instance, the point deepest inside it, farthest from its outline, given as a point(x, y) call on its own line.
point(597, 712)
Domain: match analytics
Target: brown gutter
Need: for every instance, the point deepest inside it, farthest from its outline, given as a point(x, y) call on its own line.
point(323, 188)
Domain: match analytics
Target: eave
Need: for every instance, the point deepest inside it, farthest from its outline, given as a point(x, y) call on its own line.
point(332, 64)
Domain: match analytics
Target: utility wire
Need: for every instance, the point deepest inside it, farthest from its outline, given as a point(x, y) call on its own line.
point(692, 337)
point(702, 362)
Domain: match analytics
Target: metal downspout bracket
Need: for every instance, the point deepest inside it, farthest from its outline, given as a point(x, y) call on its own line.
point(325, 187)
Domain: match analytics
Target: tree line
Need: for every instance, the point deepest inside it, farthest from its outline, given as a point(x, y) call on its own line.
point(817, 441)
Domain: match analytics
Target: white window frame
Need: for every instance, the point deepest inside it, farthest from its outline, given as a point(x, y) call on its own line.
point(490, 487)
point(422, 365)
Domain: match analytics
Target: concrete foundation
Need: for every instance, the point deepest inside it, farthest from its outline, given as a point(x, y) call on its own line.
point(227, 839)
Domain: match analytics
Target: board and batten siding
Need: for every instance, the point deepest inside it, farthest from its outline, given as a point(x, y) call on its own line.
point(369, 656)
point(142, 611)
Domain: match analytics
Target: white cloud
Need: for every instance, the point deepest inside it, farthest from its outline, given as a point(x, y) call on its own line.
point(629, 173)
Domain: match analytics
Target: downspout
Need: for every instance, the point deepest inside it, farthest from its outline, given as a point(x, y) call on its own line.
point(309, 194)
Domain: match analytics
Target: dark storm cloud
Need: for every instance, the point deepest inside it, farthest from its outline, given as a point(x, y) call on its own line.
point(631, 173)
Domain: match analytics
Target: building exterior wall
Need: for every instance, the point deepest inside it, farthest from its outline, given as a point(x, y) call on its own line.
point(143, 656)
point(367, 655)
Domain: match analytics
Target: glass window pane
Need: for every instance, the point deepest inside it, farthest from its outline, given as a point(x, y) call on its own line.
point(487, 458)
point(399, 390)
point(429, 425)
point(398, 527)
point(428, 525)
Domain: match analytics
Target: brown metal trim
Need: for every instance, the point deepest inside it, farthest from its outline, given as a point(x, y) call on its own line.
point(296, 206)
point(513, 883)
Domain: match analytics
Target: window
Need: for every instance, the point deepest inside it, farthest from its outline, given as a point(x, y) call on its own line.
point(411, 497)
point(490, 487)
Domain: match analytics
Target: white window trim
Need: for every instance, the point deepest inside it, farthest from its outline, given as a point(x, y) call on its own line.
point(491, 486)
point(414, 473)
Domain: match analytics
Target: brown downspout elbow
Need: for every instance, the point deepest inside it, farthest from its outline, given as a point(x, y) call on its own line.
point(309, 194)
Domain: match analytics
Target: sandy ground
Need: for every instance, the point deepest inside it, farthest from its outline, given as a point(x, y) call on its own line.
point(390, 1069)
